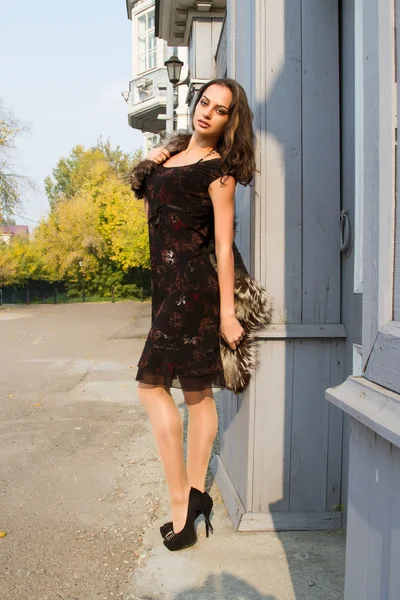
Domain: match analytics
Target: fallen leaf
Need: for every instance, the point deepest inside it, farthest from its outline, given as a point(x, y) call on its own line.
point(3, 534)
point(37, 404)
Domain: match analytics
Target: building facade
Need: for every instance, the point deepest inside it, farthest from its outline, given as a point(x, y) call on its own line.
point(7, 232)
point(318, 429)
point(150, 88)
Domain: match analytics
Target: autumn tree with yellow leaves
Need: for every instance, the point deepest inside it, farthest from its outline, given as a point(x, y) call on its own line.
point(96, 228)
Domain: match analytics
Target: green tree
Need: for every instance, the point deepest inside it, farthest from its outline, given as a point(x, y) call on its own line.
point(71, 174)
point(97, 229)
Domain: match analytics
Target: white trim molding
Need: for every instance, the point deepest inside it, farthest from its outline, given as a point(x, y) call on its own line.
point(370, 404)
point(379, 168)
point(383, 366)
point(302, 330)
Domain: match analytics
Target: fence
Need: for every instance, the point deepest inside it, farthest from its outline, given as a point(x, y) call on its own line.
point(44, 292)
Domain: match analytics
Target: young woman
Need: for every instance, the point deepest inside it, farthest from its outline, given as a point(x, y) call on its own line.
point(189, 201)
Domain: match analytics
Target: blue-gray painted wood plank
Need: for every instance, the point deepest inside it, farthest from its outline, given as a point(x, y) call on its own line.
point(379, 484)
point(351, 306)
point(234, 441)
point(335, 431)
point(232, 501)
point(373, 531)
point(310, 416)
point(278, 188)
point(396, 291)
point(358, 506)
point(273, 423)
point(244, 74)
point(321, 162)
point(235, 434)
point(394, 575)
point(345, 467)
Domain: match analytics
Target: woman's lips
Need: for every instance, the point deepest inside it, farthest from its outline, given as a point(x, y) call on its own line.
point(203, 124)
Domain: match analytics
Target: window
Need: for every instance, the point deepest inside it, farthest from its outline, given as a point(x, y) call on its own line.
point(146, 41)
point(151, 142)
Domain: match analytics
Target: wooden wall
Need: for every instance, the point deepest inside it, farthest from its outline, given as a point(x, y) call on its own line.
point(281, 442)
point(298, 434)
point(237, 412)
point(351, 306)
point(373, 533)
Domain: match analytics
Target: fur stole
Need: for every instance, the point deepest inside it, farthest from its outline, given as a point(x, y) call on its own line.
point(253, 305)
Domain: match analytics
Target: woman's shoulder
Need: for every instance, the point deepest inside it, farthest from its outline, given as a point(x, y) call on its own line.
point(216, 171)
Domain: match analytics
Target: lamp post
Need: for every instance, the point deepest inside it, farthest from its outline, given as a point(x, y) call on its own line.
point(174, 67)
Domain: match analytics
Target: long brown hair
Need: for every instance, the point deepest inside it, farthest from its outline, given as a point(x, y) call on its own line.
point(236, 144)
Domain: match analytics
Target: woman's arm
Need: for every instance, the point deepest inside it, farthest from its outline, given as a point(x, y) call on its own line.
point(146, 206)
point(222, 197)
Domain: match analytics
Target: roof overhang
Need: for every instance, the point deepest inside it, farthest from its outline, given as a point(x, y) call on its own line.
point(129, 6)
point(173, 18)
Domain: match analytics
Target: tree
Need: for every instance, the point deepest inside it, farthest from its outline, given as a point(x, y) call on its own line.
point(71, 174)
point(125, 227)
point(11, 182)
point(96, 229)
point(70, 236)
point(7, 267)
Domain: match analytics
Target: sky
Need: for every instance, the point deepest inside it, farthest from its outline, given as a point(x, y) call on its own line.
point(63, 67)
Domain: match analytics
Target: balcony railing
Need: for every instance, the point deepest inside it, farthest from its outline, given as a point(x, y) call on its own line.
point(148, 86)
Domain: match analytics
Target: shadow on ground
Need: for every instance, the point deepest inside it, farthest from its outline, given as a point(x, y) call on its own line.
point(224, 587)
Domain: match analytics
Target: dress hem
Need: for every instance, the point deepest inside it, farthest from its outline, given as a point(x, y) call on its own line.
point(182, 382)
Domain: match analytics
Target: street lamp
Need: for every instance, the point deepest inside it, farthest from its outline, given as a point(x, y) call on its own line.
point(174, 67)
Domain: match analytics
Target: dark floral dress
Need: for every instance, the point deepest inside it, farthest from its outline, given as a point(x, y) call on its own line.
point(182, 347)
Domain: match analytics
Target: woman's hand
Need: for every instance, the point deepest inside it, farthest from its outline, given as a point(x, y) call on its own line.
point(231, 331)
point(158, 155)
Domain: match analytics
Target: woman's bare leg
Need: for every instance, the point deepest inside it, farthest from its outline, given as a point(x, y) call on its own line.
point(202, 429)
point(167, 427)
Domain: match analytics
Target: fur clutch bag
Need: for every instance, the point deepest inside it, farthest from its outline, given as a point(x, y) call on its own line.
point(253, 305)
point(253, 309)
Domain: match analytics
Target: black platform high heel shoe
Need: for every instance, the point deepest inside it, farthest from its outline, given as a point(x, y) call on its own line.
point(207, 506)
point(187, 536)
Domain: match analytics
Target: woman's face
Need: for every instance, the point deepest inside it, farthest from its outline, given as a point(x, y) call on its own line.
point(211, 113)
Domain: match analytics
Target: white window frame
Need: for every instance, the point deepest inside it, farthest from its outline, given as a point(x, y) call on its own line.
point(358, 147)
point(381, 334)
point(357, 360)
point(147, 33)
